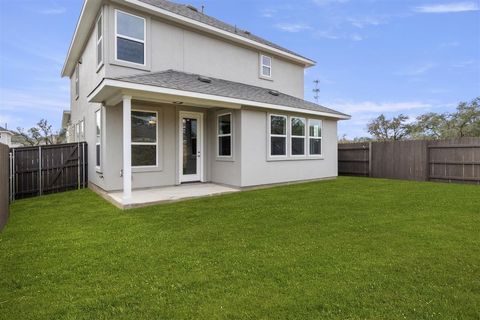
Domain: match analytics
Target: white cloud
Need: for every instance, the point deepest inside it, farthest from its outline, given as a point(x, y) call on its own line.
point(52, 11)
point(379, 107)
point(356, 37)
point(464, 64)
point(292, 27)
point(268, 13)
point(327, 2)
point(362, 22)
point(417, 70)
point(449, 7)
point(449, 44)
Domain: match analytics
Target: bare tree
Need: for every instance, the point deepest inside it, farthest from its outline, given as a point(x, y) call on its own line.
point(39, 135)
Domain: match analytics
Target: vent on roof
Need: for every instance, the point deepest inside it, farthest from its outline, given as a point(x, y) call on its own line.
point(274, 92)
point(204, 79)
point(247, 32)
point(189, 6)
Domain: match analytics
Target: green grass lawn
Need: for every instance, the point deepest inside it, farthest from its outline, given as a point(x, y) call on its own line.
point(353, 248)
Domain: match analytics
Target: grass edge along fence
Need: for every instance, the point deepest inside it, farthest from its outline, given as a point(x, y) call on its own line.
point(454, 160)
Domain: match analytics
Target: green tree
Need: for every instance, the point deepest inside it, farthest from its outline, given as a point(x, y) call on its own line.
point(382, 128)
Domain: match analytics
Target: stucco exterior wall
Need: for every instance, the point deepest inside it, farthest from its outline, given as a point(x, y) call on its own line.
point(258, 170)
point(166, 173)
point(171, 46)
point(90, 76)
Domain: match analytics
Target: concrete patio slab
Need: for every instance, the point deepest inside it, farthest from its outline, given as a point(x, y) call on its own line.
point(151, 196)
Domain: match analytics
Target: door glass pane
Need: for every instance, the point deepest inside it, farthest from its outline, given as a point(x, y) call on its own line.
point(189, 146)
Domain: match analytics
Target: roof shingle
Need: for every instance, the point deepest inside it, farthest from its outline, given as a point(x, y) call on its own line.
point(185, 11)
point(177, 80)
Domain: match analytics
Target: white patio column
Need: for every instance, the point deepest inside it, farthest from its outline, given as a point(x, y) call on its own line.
point(127, 150)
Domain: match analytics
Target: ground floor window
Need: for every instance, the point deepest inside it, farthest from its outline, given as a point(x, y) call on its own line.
point(298, 136)
point(144, 138)
point(315, 137)
point(98, 124)
point(278, 135)
point(224, 135)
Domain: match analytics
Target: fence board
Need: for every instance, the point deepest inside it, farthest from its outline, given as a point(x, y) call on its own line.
point(49, 169)
point(4, 184)
point(455, 160)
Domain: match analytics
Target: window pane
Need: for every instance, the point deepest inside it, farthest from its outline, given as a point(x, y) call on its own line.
point(130, 26)
point(97, 120)
point(298, 146)
point(144, 127)
point(266, 61)
point(278, 125)
point(278, 146)
point(224, 124)
point(131, 51)
point(144, 155)
point(99, 29)
point(97, 150)
point(315, 128)
point(266, 71)
point(298, 127)
point(316, 146)
point(99, 52)
point(225, 146)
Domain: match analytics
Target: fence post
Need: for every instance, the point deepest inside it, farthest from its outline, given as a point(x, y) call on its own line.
point(14, 173)
point(78, 166)
point(10, 177)
point(370, 158)
point(427, 161)
point(83, 164)
point(40, 170)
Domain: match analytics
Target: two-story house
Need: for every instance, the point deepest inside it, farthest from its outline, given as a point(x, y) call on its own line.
point(165, 94)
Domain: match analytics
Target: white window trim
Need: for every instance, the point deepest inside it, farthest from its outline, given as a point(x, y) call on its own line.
point(225, 135)
point(148, 143)
point(144, 41)
point(305, 122)
point(100, 41)
point(321, 139)
point(264, 65)
point(270, 135)
point(98, 139)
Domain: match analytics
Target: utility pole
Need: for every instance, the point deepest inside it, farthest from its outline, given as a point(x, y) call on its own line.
point(316, 90)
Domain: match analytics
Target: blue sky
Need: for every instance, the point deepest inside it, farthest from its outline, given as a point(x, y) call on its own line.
point(374, 56)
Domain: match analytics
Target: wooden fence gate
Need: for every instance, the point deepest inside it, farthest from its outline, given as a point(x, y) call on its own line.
point(48, 169)
point(455, 160)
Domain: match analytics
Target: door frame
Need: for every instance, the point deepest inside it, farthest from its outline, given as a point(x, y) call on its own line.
point(200, 146)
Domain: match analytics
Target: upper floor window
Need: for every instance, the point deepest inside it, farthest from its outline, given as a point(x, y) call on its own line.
point(130, 38)
point(224, 133)
point(77, 80)
point(99, 41)
point(265, 66)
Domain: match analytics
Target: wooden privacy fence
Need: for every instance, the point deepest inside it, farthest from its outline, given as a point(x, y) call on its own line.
point(4, 179)
point(48, 169)
point(455, 160)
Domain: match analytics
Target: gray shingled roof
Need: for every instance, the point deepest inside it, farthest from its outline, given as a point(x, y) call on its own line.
point(177, 80)
point(185, 11)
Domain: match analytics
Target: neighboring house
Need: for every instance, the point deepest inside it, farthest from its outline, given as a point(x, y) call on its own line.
point(6, 136)
point(9, 138)
point(165, 94)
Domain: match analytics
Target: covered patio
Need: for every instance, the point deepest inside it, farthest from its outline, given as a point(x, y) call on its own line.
point(150, 196)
